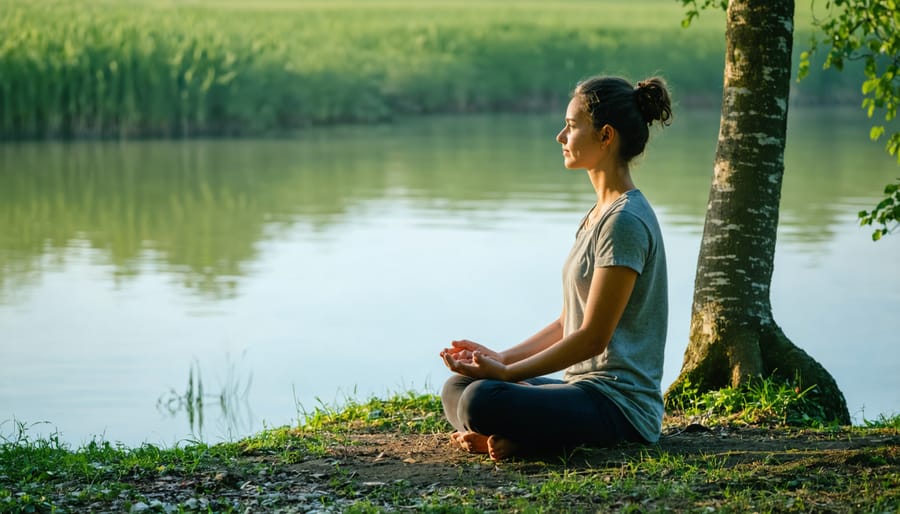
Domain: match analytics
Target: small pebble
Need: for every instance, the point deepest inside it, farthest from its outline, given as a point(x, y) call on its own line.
point(139, 507)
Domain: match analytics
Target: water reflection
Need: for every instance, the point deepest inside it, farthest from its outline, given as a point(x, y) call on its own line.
point(230, 399)
point(198, 210)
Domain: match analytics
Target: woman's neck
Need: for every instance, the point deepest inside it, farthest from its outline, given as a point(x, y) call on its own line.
point(610, 185)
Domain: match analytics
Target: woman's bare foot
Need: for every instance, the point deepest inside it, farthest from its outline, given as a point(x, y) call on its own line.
point(500, 448)
point(472, 442)
point(456, 439)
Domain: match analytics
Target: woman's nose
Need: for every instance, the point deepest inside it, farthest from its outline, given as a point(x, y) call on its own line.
point(561, 137)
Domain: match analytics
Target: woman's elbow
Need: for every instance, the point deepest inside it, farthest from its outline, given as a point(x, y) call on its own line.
point(593, 342)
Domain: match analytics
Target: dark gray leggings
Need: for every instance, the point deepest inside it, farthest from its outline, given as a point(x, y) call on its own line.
point(545, 414)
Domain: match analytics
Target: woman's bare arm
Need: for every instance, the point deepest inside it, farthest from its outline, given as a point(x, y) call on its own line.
point(543, 339)
point(610, 290)
point(463, 349)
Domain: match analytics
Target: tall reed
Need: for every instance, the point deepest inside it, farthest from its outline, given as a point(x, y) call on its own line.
point(154, 67)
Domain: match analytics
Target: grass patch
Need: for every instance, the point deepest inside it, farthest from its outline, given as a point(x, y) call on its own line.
point(328, 462)
point(883, 421)
point(32, 471)
point(327, 426)
point(409, 412)
point(764, 401)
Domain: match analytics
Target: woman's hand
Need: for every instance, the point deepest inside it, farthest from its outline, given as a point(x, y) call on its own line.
point(475, 364)
point(474, 360)
point(462, 350)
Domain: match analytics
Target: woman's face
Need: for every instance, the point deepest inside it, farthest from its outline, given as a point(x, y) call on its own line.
point(581, 145)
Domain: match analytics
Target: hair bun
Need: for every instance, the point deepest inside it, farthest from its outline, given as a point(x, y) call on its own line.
point(653, 101)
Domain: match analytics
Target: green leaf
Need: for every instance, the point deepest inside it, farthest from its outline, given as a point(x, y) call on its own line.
point(869, 86)
point(876, 132)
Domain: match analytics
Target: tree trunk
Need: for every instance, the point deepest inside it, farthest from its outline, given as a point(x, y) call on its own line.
point(733, 336)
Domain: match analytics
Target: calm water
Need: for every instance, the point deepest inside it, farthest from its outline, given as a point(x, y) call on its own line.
point(277, 274)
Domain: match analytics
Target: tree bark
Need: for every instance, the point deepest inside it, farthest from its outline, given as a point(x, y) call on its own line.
point(733, 336)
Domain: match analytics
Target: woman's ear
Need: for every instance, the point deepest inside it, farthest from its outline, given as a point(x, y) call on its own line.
point(606, 134)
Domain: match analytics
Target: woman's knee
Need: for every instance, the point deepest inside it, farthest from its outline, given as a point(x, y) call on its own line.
point(455, 385)
point(478, 406)
point(453, 389)
point(450, 393)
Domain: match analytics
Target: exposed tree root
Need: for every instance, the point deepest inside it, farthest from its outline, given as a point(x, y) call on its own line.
point(733, 356)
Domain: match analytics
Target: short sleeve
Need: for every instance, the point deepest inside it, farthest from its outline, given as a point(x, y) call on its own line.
point(622, 240)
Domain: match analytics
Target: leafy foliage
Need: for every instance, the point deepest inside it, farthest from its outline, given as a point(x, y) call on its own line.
point(853, 30)
point(694, 7)
point(867, 30)
point(886, 213)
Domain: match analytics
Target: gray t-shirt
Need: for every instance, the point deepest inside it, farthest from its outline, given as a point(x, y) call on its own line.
point(629, 371)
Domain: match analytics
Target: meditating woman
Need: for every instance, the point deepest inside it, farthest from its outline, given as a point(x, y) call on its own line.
point(610, 337)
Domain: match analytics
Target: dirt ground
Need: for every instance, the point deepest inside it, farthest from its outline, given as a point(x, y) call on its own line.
point(424, 461)
point(426, 465)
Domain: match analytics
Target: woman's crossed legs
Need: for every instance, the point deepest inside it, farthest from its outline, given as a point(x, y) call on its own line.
point(505, 418)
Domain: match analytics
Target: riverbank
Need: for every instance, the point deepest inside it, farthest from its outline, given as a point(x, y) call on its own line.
point(388, 455)
point(159, 68)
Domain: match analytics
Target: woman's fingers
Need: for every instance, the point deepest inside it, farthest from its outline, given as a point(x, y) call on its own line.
point(484, 361)
point(449, 361)
point(479, 356)
point(472, 346)
point(462, 367)
point(474, 363)
point(465, 344)
point(457, 353)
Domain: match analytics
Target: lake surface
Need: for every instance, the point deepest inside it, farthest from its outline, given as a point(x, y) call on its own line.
point(163, 291)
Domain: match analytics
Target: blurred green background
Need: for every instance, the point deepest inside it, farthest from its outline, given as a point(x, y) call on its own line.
point(172, 68)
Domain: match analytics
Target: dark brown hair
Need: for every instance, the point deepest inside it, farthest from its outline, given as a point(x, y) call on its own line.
point(629, 109)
